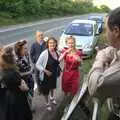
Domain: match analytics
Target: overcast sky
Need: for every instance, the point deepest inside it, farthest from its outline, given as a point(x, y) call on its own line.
point(110, 3)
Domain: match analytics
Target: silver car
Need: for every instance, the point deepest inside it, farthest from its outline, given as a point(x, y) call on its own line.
point(85, 33)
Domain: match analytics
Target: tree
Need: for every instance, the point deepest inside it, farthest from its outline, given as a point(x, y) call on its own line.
point(104, 8)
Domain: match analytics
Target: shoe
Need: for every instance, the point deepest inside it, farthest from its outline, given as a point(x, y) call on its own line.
point(53, 101)
point(48, 107)
point(33, 110)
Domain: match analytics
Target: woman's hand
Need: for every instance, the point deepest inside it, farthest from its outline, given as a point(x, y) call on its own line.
point(23, 86)
point(64, 54)
point(76, 57)
point(68, 50)
point(47, 72)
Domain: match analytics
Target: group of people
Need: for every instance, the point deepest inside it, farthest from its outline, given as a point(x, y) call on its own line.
point(17, 83)
point(48, 69)
point(17, 66)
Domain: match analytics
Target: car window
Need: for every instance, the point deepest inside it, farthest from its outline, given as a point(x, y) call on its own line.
point(82, 29)
point(97, 19)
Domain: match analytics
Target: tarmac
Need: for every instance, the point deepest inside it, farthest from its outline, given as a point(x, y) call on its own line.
point(39, 104)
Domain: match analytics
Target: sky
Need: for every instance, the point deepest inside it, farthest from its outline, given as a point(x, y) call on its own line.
point(110, 3)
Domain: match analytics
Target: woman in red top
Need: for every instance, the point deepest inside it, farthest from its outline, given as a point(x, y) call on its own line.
point(72, 59)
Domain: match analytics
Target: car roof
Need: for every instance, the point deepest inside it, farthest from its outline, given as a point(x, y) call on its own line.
point(83, 21)
point(95, 16)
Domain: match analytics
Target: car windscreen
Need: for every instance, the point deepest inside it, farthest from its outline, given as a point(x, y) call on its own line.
point(80, 29)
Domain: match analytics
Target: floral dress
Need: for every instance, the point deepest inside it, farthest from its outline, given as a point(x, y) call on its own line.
point(23, 64)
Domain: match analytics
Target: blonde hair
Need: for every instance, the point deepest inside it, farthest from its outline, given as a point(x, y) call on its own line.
point(70, 37)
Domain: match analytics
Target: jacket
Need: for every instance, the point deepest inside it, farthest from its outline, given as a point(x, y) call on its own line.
point(36, 50)
point(104, 77)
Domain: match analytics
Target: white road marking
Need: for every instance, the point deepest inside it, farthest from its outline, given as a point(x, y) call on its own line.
point(47, 31)
point(33, 24)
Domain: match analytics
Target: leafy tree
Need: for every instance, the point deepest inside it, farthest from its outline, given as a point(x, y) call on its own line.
point(104, 8)
point(24, 8)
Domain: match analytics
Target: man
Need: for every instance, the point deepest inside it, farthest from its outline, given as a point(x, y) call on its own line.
point(37, 47)
point(104, 76)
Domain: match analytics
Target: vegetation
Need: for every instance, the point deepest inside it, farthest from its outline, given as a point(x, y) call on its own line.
point(17, 11)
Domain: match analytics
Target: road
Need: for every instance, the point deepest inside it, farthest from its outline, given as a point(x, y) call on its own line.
point(52, 27)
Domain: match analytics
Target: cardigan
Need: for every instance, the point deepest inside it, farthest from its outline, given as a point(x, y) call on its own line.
point(41, 63)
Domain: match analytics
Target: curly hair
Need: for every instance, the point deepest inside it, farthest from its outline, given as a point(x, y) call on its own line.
point(52, 38)
point(18, 47)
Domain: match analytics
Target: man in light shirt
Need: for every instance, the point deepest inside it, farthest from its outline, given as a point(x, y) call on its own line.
point(104, 76)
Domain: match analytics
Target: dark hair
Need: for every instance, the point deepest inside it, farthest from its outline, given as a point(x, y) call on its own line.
point(114, 18)
point(52, 38)
point(18, 47)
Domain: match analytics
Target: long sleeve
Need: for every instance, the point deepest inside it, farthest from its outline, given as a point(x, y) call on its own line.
point(41, 63)
point(32, 53)
point(96, 72)
point(103, 78)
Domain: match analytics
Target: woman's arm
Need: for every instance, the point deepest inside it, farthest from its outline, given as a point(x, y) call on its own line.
point(40, 63)
point(64, 54)
point(78, 58)
point(26, 73)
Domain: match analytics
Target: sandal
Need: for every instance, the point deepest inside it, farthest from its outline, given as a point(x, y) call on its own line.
point(48, 107)
point(53, 101)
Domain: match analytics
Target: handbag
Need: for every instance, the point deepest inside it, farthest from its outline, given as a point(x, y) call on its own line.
point(59, 70)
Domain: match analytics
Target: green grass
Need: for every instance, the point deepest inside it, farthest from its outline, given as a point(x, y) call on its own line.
point(87, 64)
point(104, 112)
point(6, 19)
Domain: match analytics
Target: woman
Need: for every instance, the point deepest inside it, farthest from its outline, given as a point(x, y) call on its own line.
point(23, 64)
point(72, 59)
point(14, 103)
point(47, 65)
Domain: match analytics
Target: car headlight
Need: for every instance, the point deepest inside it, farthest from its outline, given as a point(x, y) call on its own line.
point(88, 46)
